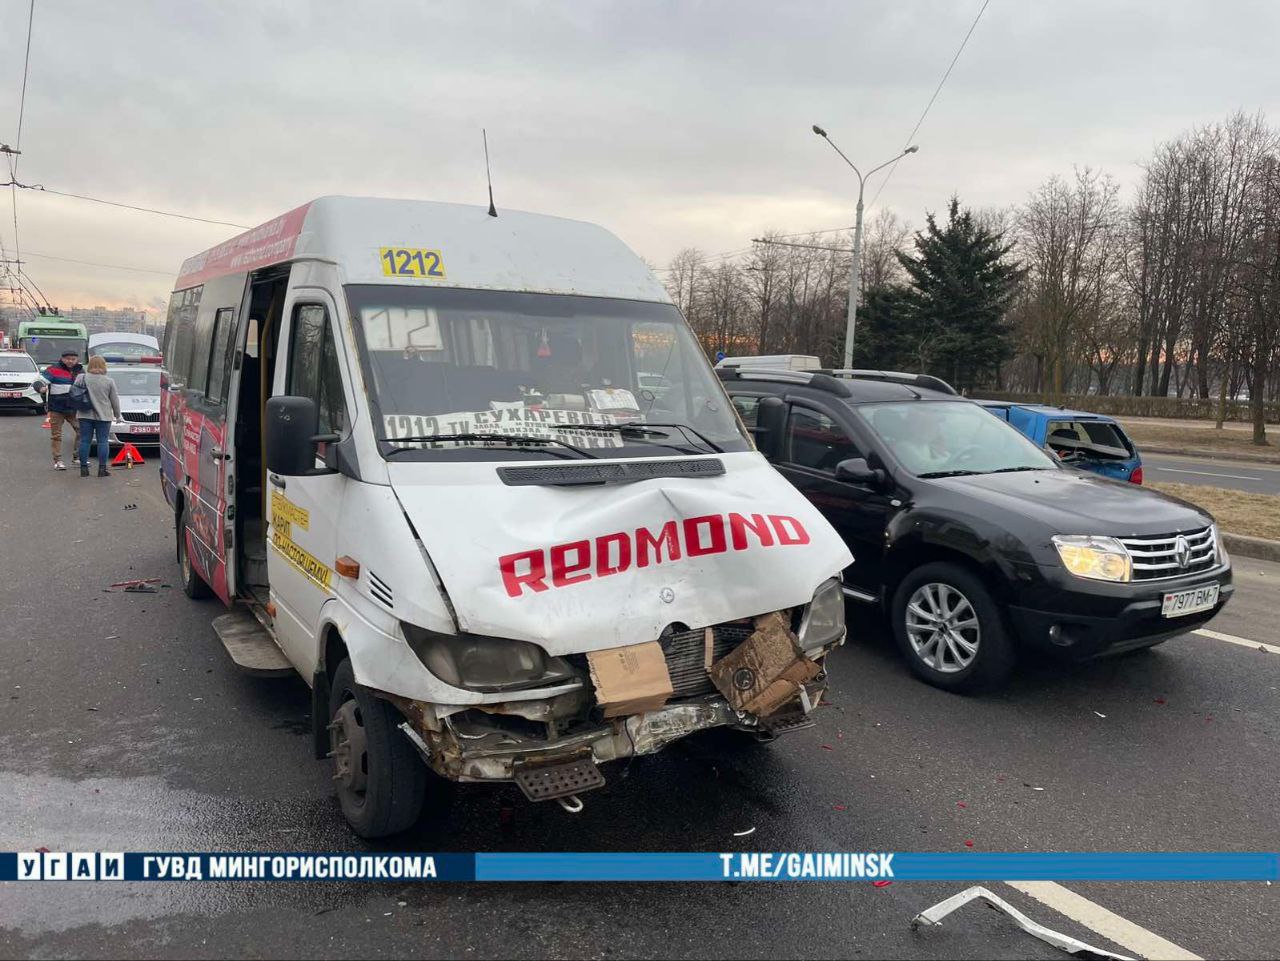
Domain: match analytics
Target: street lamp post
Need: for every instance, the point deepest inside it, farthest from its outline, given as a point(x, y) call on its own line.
point(855, 269)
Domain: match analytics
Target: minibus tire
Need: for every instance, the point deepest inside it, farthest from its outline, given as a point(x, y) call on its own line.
point(394, 777)
point(193, 584)
point(995, 657)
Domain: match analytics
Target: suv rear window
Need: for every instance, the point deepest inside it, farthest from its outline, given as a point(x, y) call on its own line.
point(1088, 438)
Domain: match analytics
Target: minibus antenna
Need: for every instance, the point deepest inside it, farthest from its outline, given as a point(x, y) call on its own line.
point(493, 211)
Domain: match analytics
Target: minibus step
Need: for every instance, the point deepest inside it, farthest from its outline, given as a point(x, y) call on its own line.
point(250, 646)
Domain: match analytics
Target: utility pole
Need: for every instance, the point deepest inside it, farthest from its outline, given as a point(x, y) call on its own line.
point(855, 268)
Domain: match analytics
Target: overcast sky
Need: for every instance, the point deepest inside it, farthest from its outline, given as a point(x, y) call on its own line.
point(673, 124)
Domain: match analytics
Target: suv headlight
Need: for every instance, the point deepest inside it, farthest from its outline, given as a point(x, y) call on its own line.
point(486, 664)
point(823, 620)
point(1098, 558)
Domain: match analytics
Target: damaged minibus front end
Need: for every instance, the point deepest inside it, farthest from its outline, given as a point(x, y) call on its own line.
point(603, 622)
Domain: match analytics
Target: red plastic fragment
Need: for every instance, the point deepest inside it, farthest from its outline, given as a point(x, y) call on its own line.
point(839, 807)
point(1160, 700)
point(968, 844)
point(961, 804)
point(881, 884)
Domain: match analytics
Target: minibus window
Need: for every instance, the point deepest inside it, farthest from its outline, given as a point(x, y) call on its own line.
point(448, 361)
point(313, 367)
point(223, 324)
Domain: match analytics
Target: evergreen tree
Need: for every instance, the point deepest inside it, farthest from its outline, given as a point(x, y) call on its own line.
point(962, 283)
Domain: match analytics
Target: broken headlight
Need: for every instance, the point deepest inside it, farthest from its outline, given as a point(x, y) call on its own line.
point(823, 620)
point(486, 664)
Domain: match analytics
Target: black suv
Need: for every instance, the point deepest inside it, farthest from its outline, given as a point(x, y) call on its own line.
point(970, 537)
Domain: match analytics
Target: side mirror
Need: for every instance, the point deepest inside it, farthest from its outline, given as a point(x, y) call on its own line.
point(855, 470)
point(771, 422)
point(291, 428)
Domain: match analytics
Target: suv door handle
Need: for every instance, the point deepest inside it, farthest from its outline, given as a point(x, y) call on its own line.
point(276, 481)
point(217, 453)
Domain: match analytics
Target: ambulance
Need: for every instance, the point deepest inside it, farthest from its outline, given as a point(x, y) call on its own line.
point(415, 450)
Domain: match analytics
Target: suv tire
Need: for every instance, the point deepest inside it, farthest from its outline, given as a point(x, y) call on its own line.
point(970, 647)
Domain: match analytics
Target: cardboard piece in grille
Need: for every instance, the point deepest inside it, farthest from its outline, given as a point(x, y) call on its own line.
point(630, 680)
point(766, 670)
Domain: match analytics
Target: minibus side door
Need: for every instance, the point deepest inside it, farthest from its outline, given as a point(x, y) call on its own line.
point(303, 511)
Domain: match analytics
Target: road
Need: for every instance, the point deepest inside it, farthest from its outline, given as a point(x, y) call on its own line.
point(1234, 475)
point(125, 727)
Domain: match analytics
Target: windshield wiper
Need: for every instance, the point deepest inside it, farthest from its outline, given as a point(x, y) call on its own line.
point(950, 473)
point(508, 440)
point(644, 428)
point(1010, 470)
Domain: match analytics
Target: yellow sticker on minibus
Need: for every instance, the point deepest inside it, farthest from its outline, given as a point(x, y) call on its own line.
point(283, 509)
point(411, 262)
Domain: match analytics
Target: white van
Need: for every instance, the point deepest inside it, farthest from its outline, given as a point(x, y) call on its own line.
point(408, 444)
point(123, 346)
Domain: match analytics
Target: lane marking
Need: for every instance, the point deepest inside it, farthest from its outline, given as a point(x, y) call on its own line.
point(1205, 473)
point(1098, 919)
point(1242, 641)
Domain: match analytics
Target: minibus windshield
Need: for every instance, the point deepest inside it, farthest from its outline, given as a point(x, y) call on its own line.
point(446, 362)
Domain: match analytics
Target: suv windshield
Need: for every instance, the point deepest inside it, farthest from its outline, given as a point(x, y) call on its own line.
point(17, 364)
point(951, 437)
point(139, 382)
point(443, 362)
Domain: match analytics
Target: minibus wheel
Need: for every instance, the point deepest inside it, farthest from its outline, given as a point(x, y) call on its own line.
point(193, 584)
point(379, 777)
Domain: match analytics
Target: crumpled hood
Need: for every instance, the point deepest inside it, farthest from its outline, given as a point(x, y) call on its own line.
point(585, 568)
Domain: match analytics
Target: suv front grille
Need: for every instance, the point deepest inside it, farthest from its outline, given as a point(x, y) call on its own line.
point(1156, 557)
point(14, 385)
point(139, 417)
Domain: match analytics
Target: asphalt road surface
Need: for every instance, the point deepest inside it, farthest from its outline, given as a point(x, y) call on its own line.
point(125, 727)
point(1234, 475)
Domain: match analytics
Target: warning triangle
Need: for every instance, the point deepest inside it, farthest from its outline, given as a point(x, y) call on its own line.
point(128, 455)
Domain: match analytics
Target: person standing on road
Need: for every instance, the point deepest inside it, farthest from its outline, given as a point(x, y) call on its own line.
point(56, 386)
point(97, 422)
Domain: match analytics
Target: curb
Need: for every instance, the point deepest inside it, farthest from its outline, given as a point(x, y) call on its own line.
point(1202, 453)
point(1256, 547)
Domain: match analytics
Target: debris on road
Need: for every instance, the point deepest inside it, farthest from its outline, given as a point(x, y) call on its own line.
point(1100, 714)
point(137, 580)
point(932, 917)
point(743, 834)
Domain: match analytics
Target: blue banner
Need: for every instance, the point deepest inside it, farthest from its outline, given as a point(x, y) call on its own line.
point(646, 866)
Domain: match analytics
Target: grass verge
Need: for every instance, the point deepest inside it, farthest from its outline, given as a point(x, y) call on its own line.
point(1198, 438)
point(1240, 512)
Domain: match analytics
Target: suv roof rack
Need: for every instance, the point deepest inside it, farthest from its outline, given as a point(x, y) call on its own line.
point(927, 381)
point(816, 379)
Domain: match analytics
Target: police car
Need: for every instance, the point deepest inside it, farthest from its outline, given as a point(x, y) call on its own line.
point(18, 375)
point(139, 387)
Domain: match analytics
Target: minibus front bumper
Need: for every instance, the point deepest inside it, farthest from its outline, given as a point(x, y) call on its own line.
point(487, 744)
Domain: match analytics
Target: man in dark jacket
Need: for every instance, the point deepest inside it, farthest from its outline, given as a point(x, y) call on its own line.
point(57, 381)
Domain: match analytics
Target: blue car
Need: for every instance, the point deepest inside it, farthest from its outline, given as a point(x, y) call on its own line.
point(1092, 442)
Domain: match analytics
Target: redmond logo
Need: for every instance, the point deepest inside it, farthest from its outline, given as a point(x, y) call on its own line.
point(575, 562)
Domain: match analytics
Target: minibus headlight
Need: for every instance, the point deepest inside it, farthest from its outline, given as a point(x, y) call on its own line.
point(823, 621)
point(1097, 558)
point(486, 664)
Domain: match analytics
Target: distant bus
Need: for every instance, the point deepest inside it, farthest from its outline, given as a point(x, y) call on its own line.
point(123, 346)
point(46, 338)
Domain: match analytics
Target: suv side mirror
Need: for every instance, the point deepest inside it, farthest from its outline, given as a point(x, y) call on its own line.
point(291, 428)
point(855, 470)
point(771, 422)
